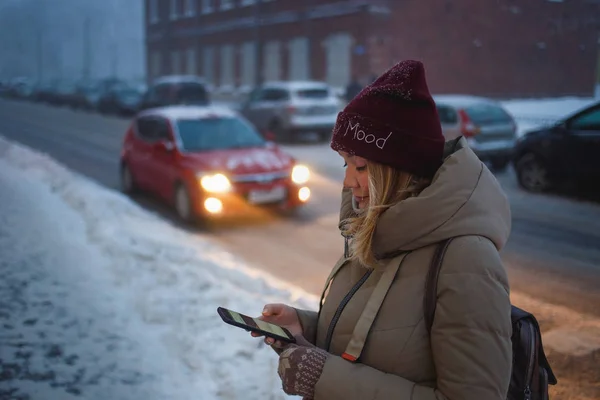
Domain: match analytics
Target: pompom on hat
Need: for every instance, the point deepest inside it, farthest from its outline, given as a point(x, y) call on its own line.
point(394, 121)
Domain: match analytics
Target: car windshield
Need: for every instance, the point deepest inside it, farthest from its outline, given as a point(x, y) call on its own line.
point(485, 114)
point(91, 90)
point(187, 93)
point(218, 133)
point(313, 93)
point(128, 92)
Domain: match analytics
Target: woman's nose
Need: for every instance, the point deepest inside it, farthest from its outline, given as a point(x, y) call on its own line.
point(350, 180)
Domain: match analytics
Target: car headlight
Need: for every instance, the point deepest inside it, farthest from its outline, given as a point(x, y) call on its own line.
point(217, 183)
point(300, 174)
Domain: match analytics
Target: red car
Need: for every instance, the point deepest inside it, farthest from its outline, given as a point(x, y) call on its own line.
point(208, 161)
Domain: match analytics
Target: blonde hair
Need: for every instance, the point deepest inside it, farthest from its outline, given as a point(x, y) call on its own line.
point(387, 186)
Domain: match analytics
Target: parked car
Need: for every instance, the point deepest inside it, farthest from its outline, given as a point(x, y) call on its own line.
point(123, 101)
point(20, 88)
point(45, 92)
point(289, 110)
point(87, 96)
point(176, 90)
point(488, 128)
point(65, 94)
point(208, 162)
point(566, 151)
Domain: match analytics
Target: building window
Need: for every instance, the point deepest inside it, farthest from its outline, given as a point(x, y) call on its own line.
point(339, 57)
point(189, 8)
point(155, 64)
point(175, 62)
point(227, 66)
point(174, 12)
point(247, 2)
point(207, 6)
point(190, 65)
point(208, 67)
point(226, 5)
point(272, 61)
point(248, 64)
point(153, 15)
point(298, 59)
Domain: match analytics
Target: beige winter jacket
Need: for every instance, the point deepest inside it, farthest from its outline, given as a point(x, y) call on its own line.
point(468, 356)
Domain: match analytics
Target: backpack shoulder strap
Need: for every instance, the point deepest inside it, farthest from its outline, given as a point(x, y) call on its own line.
point(367, 317)
point(430, 298)
point(518, 316)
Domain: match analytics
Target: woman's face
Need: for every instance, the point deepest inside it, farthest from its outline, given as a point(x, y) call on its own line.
point(357, 178)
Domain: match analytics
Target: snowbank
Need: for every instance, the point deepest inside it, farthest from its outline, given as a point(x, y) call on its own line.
point(535, 113)
point(172, 280)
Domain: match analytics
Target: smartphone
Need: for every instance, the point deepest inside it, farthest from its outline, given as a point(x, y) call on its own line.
point(256, 325)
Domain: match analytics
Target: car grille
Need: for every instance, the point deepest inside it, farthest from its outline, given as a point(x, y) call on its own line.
point(321, 110)
point(260, 178)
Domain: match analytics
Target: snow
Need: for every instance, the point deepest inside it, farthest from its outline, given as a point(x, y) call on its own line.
point(265, 159)
point(102, 299)
point(192, 112)
point(298, 85)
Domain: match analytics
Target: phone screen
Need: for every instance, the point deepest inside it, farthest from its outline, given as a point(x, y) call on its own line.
point(257, 323)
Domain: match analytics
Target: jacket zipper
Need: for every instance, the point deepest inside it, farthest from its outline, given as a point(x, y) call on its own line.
point(531, 360)
point(346, 247)
point(341, 307)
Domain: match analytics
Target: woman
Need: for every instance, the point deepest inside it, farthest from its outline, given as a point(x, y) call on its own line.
point(405, 191)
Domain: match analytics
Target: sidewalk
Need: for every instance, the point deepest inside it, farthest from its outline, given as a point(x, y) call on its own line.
point(572, 344)
point(67, 332)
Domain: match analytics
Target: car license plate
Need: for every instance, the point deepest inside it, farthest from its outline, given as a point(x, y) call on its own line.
point(267, 196)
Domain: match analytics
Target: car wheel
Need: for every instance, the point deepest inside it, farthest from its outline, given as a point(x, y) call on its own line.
point(281, 134)
point(127, 181)
point(183, 204)
point(325, 137)
point(499, 164)
point(291, 212)
point(532, 174)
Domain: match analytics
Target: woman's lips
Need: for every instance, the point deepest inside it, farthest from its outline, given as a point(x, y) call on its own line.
point(360, 198)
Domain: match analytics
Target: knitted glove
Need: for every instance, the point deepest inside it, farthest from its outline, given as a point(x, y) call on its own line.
point(300, 341)
point(300, 369)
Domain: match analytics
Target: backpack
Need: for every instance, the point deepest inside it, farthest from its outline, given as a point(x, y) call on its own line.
point(531, 372)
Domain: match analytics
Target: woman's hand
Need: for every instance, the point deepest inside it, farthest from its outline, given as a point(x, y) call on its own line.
point(284, 316)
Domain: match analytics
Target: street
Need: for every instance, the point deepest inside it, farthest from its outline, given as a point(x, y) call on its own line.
point(553, 254)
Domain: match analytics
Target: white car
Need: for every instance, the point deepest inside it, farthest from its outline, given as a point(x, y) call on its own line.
point(289, 110)
point(488, 128)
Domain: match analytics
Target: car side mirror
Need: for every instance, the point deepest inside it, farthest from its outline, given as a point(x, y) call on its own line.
point(270, 137)
point(562, 126)
point(164, 146)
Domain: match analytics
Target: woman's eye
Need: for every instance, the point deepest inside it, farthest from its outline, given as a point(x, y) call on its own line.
point(345, 164)
point(363, 168)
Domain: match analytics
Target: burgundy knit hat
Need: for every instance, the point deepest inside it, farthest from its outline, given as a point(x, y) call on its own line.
point(393, 121)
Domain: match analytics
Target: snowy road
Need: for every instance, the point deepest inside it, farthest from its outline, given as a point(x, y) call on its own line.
point(553, 253)
point(91, 307)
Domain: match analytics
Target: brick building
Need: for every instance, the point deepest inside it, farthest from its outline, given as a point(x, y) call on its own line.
point(488, 47)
